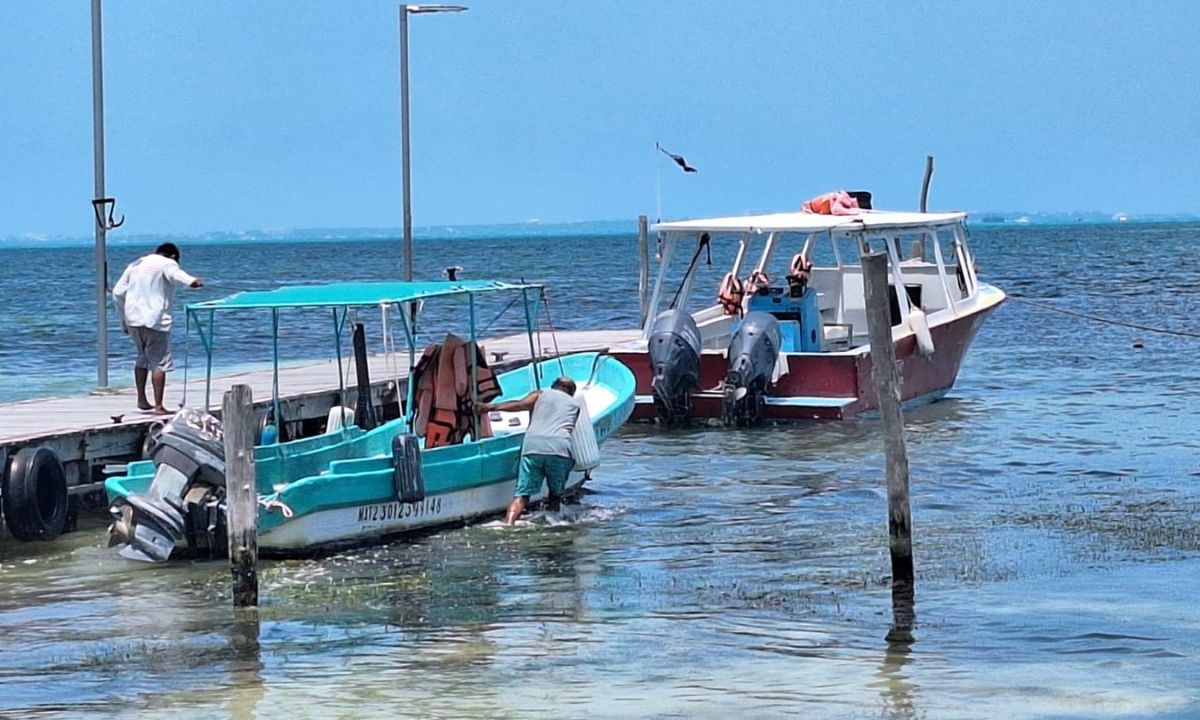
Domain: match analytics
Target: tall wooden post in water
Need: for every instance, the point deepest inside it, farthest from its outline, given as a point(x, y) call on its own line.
point(643, 269)
point(925, 183)
point(237, 419)
point(887, 385)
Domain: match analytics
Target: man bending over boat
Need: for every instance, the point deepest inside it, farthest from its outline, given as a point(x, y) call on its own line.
point(143, 295)
point(546, 450)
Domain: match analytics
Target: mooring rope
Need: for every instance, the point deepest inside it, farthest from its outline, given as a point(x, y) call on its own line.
point(1107, 321)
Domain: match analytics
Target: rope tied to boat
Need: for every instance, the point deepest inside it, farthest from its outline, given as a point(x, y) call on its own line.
point(271, 503)
point(1107, 321)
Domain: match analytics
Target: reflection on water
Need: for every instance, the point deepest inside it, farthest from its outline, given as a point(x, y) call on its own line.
point(741, 573)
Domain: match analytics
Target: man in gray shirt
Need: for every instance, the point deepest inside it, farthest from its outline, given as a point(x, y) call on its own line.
point(546, 450)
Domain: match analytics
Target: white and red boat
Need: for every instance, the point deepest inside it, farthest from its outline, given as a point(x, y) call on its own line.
point(786, 337)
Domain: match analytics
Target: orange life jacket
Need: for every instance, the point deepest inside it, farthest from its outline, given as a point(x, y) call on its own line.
point(798, 272)
point(731, 294)
point(838, 202)
point(445, 414)
point(757, 280)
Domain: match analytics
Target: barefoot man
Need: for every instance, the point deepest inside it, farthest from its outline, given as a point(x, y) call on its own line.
point(143, 295)
point(546, 450)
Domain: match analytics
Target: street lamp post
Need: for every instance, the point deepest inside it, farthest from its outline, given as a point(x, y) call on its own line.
point(405, 11)
point(101, 228)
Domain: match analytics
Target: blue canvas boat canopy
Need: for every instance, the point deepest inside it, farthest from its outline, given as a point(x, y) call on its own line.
point(340, 295)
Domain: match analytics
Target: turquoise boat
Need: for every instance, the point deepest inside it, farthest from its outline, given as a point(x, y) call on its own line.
point(355, 481)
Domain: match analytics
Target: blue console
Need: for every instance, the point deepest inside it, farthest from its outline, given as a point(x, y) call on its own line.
point(799, 318)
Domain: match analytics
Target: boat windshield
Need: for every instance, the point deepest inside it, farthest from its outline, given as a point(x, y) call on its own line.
point(927, 255)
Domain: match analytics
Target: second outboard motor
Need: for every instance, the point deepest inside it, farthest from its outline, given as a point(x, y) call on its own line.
point(674, 349)
point(753, 352)
point(187, 492)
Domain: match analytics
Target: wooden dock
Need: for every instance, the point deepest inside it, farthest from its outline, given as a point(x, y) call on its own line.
point(88, 432)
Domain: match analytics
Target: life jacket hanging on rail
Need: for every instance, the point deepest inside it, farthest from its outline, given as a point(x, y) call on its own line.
point(731, 293)
point(798, 272)
point(445, 411)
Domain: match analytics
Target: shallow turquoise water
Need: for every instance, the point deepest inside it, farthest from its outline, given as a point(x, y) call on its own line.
point(735, 573)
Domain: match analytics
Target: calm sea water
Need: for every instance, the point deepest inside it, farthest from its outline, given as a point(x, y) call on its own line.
point(712, 573)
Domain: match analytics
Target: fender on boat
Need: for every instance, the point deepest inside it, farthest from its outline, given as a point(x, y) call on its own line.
point(584, 448)
point(918, 322)
point(407, 474)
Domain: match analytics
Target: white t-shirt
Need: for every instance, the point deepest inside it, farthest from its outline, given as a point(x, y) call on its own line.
point(146, 289)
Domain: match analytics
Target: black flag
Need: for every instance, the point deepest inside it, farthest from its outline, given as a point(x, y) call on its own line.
point(679, 159)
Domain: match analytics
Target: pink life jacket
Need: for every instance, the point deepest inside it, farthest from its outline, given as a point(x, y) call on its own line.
point(838, 202)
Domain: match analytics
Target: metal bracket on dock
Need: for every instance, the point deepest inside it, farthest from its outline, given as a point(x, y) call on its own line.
point(99, 205)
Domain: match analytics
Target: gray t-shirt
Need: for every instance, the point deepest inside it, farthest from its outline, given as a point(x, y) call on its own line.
point(550, 424)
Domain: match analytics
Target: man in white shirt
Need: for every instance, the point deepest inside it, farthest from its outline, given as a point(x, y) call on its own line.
point(143, 295)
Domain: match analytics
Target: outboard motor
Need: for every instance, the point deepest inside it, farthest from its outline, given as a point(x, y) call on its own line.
point(753, 352)
point(674, 350)
point(186, 498)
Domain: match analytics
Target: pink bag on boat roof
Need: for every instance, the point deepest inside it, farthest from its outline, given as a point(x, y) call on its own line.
point(838, 202)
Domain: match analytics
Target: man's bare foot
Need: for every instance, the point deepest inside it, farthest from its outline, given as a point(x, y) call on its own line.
point(160, 410)
point(145, 405)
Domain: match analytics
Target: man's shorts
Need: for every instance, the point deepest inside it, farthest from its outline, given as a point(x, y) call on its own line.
point(554, 469)
point(153, 349)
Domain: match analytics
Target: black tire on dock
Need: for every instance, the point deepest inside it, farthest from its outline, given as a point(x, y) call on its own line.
point(35, 495)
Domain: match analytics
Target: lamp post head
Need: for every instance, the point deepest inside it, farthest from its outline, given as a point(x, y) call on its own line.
point(418, 9)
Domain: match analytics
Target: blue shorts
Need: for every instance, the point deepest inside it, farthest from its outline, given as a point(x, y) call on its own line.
point(554, 469)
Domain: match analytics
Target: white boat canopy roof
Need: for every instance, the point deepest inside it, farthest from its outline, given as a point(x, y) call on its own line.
point(864, 220)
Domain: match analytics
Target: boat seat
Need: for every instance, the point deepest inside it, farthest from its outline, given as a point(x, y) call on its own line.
point(789, 336)
point(508, 423)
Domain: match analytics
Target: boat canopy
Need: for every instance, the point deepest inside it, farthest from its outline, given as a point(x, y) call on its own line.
point(339, 295)
point(864, 220)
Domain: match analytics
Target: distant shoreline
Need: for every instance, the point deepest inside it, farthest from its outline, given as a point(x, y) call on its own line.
point(602, 228)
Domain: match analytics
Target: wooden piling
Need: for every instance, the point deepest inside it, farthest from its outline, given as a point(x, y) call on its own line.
point(643, 268)
point(887, 385)
point(238, 421)
point(364, 409)
point(925, 183)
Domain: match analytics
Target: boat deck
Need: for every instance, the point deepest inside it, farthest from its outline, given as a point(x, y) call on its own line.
point(90, 430)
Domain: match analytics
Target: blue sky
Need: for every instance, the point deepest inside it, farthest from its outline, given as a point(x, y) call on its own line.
point(235, 115)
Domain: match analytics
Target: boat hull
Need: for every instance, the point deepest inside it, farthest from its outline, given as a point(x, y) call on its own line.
point(326, 530)
point(832, 385)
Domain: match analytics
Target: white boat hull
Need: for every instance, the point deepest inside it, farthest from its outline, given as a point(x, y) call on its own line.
point(359, 524)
